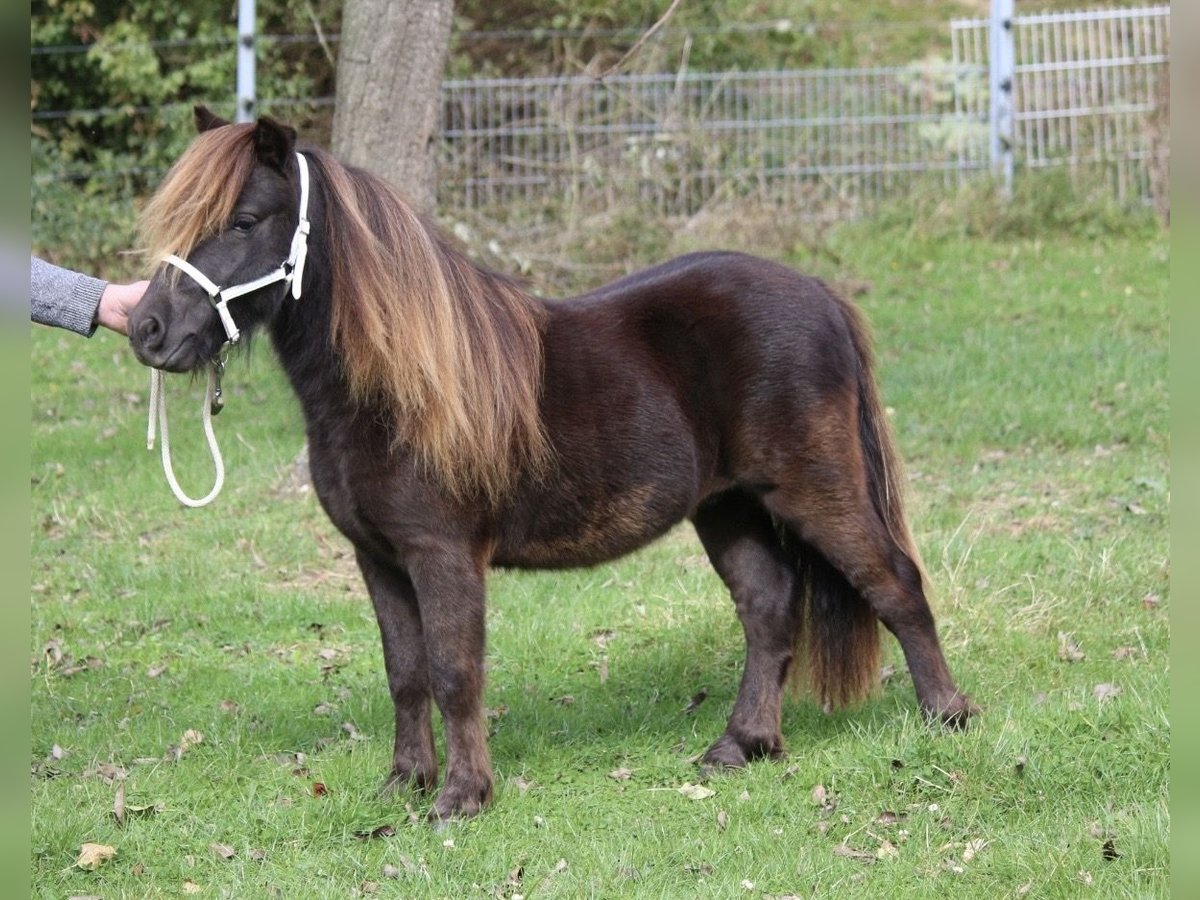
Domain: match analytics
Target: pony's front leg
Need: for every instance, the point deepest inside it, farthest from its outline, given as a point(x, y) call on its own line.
point(414, 760)
point(450, 592)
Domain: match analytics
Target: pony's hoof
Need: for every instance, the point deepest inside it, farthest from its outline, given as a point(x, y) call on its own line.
point(730, 752)
point(460, 801)
point(953, 713)
point(417, 782)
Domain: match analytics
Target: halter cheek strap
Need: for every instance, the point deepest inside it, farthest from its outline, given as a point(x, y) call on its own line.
point(290, 271)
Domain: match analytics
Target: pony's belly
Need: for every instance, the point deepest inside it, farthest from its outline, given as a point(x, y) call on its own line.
point(573, 535)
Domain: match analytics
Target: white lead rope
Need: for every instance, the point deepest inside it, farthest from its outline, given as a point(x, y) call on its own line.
point(158, 416)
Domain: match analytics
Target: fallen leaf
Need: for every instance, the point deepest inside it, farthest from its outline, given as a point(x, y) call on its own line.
point(119, 804)
point(696, 791)
point(222, 851)
point(1125, 653)
point(973, 848)
point(258, 855)
point(354, 733)
point(390, 871)
point(886, 850)
point(92, 856)
point(521, 783)
point(1105, 691)
point(722, 820)
point(383, 831)
point(887, 817)
point(1109, 851)
point(190, 887)
point(560, 866)
point(155, 671)
point(886, 673)
point(190, 739)
point(850, 853)
point(564, 700)
point(539, 822)
point(228, 706)
point(747, 884)
point(514, 876)
point(697, 698)
point(319, 789)
point(1150, 601)
point(819, 794)
point(1068, 648)
point(621, 774)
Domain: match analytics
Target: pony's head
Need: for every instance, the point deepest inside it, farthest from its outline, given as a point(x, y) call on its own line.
point(229, 207)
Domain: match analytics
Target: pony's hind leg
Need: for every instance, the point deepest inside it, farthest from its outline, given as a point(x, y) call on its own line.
point(414, 761)
point(745, 549)
point(833, 514)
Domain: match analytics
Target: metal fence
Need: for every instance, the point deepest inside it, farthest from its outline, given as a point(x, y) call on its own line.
point(679, 141)
point(1088, 90)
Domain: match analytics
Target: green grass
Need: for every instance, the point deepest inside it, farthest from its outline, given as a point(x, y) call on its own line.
point(1028, 383)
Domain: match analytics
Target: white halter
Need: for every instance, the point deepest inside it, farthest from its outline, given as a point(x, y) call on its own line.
point(290, 271)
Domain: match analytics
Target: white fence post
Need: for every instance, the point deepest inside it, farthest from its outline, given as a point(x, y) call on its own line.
point(245, 62)
point(1000, 91)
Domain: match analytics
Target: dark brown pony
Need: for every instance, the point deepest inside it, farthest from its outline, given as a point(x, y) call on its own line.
point(455, 422)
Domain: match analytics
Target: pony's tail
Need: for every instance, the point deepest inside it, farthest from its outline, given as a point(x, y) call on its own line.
point(840, 634)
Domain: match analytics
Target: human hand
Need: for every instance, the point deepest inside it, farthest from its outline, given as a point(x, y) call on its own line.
point(117, 302)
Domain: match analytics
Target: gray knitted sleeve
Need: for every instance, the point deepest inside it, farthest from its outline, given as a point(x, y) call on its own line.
point(63, 298)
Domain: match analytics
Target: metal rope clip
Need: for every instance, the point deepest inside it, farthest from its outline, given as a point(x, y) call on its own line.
point(217, 402)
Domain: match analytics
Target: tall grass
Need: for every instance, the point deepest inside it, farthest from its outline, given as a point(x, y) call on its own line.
point(215, 666)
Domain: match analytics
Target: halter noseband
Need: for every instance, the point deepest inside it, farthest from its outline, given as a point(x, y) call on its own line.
point(291, 270)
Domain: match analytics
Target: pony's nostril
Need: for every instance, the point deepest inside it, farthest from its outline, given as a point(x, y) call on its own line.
point(150, 333)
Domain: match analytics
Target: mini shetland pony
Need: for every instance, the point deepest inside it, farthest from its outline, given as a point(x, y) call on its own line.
point(455, 422)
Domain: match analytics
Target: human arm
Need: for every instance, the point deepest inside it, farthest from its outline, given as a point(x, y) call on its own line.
point(79, 302)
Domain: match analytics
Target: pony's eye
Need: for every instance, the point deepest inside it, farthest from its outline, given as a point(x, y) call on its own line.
point(244, 223)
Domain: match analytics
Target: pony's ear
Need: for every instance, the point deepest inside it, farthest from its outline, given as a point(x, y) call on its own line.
point(206, 119)
point(273, 142)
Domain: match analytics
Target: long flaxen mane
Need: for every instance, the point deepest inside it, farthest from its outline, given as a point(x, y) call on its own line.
point(452, 353)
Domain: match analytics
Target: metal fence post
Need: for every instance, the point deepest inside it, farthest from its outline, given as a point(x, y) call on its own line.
point(245, 62)
point(1000, 91)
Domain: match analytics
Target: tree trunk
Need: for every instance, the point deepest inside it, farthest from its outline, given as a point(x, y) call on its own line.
point(389, 78)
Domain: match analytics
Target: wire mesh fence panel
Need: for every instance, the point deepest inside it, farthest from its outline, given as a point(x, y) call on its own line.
point(679, 141)
point(1090, 92)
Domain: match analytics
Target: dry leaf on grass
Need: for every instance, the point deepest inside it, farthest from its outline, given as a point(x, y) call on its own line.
point(1105, 691)
point(1068, 648)
point(696, 791)
point(864, 856)
point(722, 820)
point(383, 831)
point(973, 849)
point(190, 887)
point(621, 774)
point(92, 856)
point(222, 851)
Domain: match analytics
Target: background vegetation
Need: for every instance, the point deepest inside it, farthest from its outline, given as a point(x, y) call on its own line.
point(112, 84)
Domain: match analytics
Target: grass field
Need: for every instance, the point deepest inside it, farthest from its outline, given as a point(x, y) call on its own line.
point(207, 670)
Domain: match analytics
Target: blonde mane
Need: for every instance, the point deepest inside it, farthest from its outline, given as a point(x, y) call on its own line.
point(451, 353)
